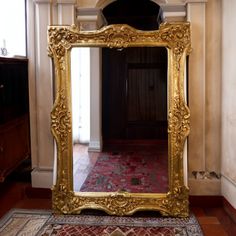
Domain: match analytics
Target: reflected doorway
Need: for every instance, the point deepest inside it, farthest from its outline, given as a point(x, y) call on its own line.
point(134, 94)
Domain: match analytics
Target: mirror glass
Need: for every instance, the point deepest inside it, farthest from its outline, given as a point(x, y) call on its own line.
point(133, 93)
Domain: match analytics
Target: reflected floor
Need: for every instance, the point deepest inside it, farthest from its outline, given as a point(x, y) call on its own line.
point(135, 166)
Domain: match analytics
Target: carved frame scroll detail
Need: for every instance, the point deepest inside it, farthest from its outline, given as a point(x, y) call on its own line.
point(176, 38)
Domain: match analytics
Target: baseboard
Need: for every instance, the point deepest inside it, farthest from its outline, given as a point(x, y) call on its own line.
point(42, 178)
point(231, 211)
point(204, 187)
point(228, 189)
point(95, 146)
point(205, 201)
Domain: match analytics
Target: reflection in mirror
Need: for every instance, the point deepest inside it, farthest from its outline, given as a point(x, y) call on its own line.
point(80, 93)
point(134, 121)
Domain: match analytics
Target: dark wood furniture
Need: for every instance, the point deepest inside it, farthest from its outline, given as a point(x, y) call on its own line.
point(14, 114)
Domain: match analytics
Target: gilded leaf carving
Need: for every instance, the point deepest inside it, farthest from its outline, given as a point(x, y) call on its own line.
point(176, 36)
point(60, 121)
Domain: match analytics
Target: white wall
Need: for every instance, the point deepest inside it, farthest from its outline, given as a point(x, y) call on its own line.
point(228, 154)
point(42, 13)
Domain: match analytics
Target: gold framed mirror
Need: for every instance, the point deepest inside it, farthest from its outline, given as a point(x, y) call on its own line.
point(175, 37)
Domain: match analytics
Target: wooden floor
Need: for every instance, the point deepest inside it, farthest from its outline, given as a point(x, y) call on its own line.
point(15, 194)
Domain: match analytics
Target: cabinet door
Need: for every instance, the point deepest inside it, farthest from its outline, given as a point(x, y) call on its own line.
point(14, 145)
point(2, 156)
point(2, 84)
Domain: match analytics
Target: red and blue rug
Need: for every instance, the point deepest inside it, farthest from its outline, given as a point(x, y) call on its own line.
point(137, 172)
point(34, 223)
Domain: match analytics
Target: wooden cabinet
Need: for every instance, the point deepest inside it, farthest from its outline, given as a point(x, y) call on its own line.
point(14, 114)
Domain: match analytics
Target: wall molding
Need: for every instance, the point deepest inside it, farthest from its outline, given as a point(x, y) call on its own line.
point(204, 187)
point(32, 82)
point(228, 189)
point(42, 178)
point(41, 13)
point(229, 179)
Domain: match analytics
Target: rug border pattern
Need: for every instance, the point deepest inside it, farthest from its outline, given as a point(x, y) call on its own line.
point(191, 223)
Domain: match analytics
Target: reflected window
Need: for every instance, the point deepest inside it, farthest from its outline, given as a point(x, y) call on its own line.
point(13, 28)
point(80, 85)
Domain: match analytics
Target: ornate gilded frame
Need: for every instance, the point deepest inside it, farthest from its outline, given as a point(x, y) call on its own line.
point(176, 38)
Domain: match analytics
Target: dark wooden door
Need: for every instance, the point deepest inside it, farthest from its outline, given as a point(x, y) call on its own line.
point(134, 93)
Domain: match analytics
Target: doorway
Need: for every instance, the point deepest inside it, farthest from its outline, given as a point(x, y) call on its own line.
point(134, 94)
point(134, 84)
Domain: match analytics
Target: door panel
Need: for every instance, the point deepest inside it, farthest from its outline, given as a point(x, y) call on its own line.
point(134, 93)
point(146, 106)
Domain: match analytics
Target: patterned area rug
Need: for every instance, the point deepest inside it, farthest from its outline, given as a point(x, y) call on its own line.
point(34, 223)
point(135, 172)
